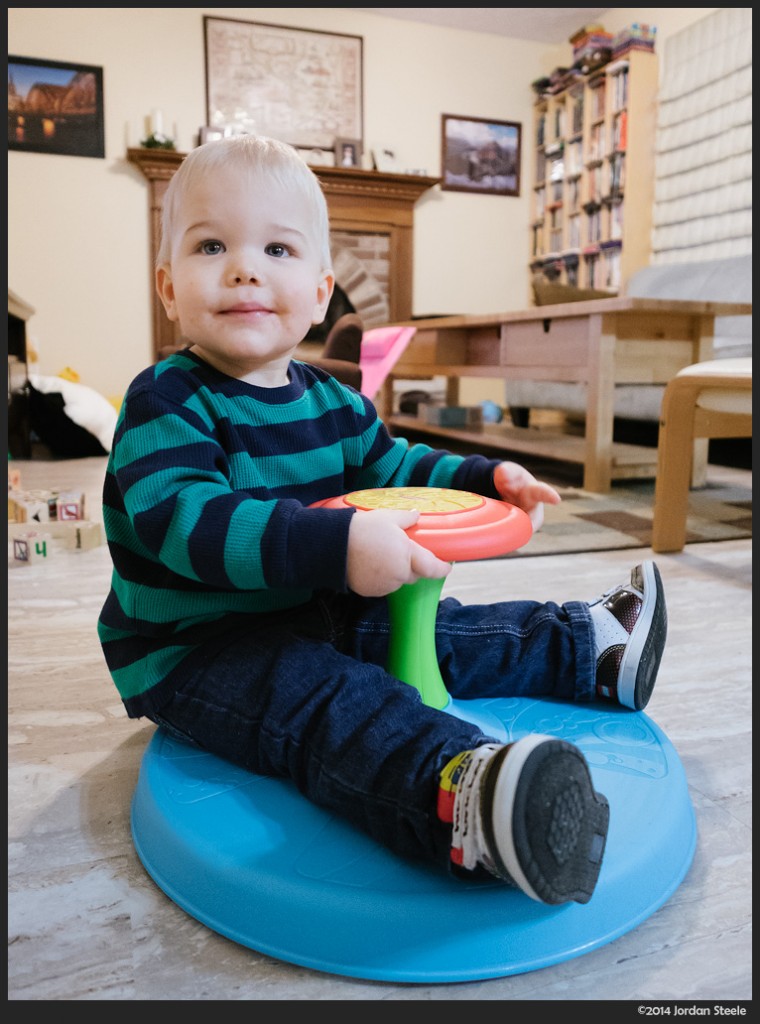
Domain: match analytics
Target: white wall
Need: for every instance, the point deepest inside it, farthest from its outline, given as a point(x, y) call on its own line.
point(78, 227)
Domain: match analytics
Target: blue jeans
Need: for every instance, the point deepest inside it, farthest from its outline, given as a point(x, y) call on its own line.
point(303, 694)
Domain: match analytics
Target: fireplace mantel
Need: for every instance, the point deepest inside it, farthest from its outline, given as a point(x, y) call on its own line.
point(361, 201)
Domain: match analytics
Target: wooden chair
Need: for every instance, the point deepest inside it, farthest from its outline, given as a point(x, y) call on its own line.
point(342, 350)
point(705, 400)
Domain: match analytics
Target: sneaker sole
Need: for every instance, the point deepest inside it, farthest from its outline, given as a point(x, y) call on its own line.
point(547, 826)
point(643, 652)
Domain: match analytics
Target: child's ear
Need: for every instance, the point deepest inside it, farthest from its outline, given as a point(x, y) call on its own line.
point(165, 289)
point(324, 294)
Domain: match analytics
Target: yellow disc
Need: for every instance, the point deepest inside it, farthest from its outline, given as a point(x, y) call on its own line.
point(424, 499)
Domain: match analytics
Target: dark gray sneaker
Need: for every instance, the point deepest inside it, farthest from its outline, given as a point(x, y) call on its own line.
point(528, 813)
point(631, 625)
point(544, 823)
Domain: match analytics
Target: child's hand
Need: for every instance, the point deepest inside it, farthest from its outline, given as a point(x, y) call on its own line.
point(516, 485)
point(381, 556)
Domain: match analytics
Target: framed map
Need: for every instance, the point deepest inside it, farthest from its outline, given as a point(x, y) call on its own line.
point(297, 85)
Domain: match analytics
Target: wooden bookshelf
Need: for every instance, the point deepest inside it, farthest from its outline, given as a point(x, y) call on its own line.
point(593, 175)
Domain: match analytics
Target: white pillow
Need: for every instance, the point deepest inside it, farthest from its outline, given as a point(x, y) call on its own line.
point(84, 406)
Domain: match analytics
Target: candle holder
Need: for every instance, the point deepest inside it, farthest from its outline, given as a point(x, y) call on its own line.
point(157, 140)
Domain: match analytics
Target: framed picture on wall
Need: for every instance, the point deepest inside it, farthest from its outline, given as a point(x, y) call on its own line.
point(298, 85)
point(480, 155)
point(55, 107)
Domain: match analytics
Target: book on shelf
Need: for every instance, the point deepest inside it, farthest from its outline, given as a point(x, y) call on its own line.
point(575, 156)
point(571, 263)
point(597, 97)
point(540, 202)
point(573, 194)
point(616, 210)
point(541, 129)
point(540, 166)
point(594, 179)
point(574, 230)
point(593, 222)
point(559, 122)
point(619, 141)
point(591, 266)
point(617, 173)
point(610, 252)
point(576, 111)
point(618, 75)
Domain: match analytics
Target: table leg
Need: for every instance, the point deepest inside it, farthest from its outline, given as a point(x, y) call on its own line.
point(702, 350)
point(600, 404)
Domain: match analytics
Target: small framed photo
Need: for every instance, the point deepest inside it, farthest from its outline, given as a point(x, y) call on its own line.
point(55, 107)
point(348, 153)
point(384, 159)
point(209, 134)
point(480, 155)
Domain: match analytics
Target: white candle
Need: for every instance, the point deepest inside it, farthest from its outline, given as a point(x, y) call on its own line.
point(157, 122)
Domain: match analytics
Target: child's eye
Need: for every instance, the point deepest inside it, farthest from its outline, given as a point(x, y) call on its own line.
point(211, 247)
point(277, 249)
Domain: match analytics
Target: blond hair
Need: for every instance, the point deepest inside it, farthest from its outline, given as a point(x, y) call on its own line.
point(265, 159)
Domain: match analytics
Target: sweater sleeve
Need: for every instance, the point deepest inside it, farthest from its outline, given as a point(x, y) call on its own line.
point(172, 484)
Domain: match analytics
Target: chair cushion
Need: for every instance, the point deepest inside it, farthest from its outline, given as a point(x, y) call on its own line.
point(741, 367)
point(723, 399)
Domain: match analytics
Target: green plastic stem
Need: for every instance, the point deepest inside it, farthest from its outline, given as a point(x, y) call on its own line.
point(412, 656)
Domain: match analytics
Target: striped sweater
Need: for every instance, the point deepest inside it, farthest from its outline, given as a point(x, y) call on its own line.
point(205, 506)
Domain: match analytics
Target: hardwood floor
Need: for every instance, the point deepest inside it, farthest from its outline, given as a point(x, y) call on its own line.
point(86, 923)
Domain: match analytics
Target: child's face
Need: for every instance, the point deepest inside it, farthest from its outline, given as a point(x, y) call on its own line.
point(245, 280)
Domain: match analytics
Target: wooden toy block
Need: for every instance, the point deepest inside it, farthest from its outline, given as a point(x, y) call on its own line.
point(30, 509)
point(32, 506)
point(73, 534)
point(88, 535)
point(32, 548)
point(70, 506)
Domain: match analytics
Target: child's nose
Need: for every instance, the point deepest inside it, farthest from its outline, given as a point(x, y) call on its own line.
point(245, 276)
point(245, 271)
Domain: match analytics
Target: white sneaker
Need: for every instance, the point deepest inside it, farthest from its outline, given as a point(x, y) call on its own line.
point(631, 624)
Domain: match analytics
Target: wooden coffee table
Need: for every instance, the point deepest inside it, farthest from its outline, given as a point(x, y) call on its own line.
point(599, 343)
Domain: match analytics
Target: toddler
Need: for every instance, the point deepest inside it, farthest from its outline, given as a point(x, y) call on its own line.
point(254, 627)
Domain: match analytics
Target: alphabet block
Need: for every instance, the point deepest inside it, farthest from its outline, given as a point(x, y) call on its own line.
point(31, 548)
point(70, 506)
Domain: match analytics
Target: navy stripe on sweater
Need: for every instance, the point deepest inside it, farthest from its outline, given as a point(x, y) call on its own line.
point(205, 506)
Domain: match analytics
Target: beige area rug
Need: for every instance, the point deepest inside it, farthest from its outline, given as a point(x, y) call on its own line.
point(582, 522)
point(722, 510)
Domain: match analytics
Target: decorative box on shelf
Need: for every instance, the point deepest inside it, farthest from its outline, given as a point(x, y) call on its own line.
point(452, 415)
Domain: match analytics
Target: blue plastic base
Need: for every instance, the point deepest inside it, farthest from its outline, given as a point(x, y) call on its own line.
point(253, 860)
